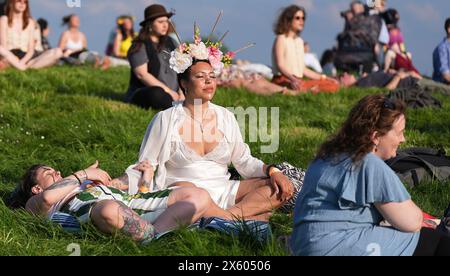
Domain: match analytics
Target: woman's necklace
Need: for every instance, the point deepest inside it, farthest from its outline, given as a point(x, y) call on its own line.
point(199, 122)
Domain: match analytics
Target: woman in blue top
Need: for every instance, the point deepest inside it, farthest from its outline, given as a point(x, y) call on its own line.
point(349, 191)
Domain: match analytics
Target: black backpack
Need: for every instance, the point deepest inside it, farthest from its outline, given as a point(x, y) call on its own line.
point(416, 165)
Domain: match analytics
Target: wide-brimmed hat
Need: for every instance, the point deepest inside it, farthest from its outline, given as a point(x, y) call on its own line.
point(154, 11)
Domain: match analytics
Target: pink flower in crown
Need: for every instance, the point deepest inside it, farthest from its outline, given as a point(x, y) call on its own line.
point(215, 58)
point(231, 55)
point(183, 47)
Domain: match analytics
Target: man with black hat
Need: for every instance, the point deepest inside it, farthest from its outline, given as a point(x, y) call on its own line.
point(153, 83)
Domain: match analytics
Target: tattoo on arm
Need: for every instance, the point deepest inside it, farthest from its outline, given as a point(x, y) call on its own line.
point(134, 226)
point(63, 184)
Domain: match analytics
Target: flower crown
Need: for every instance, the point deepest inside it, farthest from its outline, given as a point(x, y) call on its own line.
point(183, 57)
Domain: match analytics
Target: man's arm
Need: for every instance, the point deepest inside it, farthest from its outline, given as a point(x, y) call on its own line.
point(42, 203)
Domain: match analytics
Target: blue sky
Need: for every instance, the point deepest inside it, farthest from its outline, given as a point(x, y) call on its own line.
point(251, 21)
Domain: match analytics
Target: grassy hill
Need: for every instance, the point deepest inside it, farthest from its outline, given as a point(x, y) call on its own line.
point(70, 117)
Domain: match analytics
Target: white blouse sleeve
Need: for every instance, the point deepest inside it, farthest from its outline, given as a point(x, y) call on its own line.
point(150, 150)
point(241, 157)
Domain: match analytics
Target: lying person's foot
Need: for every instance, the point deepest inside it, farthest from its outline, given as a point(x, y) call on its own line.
point(106, 63)
point(3, 65)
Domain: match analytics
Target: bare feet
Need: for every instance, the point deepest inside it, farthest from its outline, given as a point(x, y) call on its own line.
point(106, 63)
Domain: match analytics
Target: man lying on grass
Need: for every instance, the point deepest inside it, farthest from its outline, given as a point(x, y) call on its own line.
point(88, 196)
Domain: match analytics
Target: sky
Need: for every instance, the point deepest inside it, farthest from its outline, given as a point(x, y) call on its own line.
point(250, 21)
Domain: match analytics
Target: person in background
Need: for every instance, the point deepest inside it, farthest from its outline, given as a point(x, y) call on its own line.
point(311, 60)
point(288, 55)
point(153, 84)
point(327, 63)
point(383, 38)
point(17, 39)
point(42, 33)
point(124, 37)
point(441, 58)
point(73, 43)
point(397, 57)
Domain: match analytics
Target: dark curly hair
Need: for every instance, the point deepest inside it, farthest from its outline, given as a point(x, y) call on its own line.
point(284, 21)
point(372, 113)
point(20, 196)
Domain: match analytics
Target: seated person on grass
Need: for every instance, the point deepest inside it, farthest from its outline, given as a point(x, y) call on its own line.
point(89, 196)
point(441, 58)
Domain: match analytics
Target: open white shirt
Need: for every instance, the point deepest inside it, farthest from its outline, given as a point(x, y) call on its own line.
point(156, 146)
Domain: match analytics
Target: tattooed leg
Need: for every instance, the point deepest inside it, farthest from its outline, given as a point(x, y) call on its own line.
point(113, 216)
point(134, 226)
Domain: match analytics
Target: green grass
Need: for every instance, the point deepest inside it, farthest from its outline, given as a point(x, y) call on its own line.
point(70, 117)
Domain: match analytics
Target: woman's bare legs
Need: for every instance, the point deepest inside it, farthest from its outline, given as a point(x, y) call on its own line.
point(256, 198)
point(12, 60)
point(46, 59)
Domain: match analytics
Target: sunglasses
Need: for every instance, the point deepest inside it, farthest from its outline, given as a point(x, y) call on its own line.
point(300, 18)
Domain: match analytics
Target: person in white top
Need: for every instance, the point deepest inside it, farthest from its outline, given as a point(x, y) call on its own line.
point(73, 43)
point(17, 40)
point(311, 60)
point(193, 143)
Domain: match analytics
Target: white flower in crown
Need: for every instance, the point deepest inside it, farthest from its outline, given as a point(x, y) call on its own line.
point(199, 51)
point(180, 61)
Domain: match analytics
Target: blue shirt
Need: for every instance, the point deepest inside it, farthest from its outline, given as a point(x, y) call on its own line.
point(335, 212)
point(441, 61)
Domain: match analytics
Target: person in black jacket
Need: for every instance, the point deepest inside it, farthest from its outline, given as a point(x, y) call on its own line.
point(153, 84)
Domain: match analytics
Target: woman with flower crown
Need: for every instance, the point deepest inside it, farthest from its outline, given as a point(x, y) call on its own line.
point(153, 83)
point(193, 143)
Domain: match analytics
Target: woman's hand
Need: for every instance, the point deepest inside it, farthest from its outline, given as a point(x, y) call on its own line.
point(96, 175)
point(147, 176)
point(295, 82)
point(282, 185)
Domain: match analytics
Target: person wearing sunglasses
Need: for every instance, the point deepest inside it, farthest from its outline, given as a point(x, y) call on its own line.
point(288, 55)
point(17, 39)
point(349, 191)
